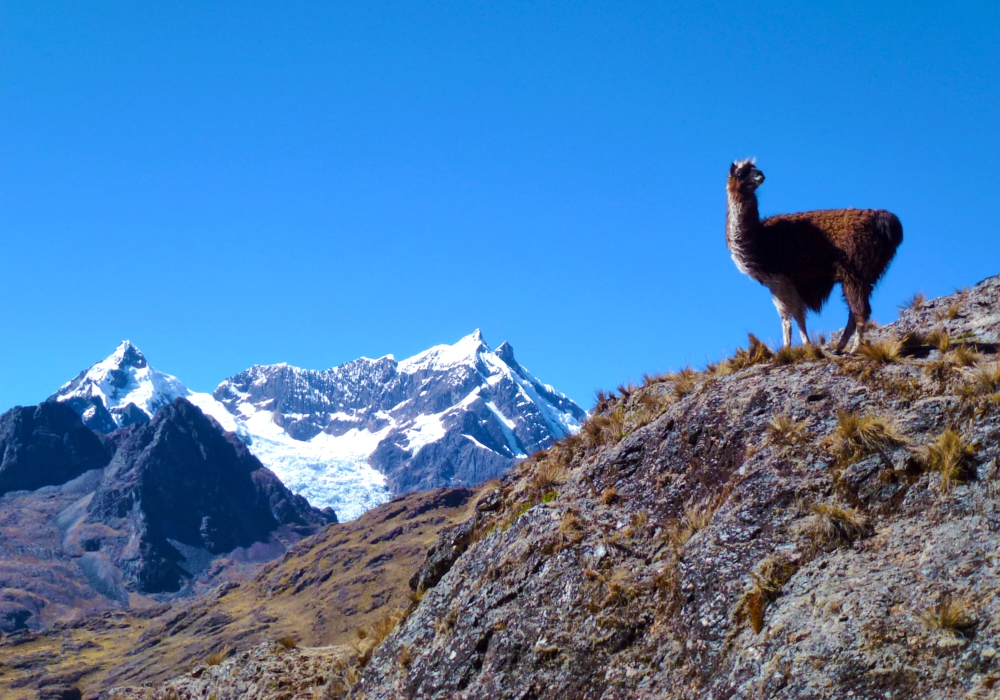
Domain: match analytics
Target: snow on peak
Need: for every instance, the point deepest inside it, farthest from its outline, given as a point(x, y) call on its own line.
point(441, 357)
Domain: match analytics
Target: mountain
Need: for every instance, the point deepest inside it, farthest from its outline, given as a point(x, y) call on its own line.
point(180, 492)
point(46, 445)
point(454, 415)
point(352, 436)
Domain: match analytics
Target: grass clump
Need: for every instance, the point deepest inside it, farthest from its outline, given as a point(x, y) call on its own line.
point(288, 642)
point(859, 436)
point(697, 516)
point(755, 353)
point(217, 657)
point(609, 495)
point(784, 430)
point(766, 584)
point(548, 475)
point(985, 380)
point(832, 525)
point(882, 351)
point(914, 303)
point(955, 614)
point(951, 456)
point(794, 354)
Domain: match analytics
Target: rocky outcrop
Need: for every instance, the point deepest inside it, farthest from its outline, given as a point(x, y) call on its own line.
point(180, 491)
point(46, 445)
point(778, 526)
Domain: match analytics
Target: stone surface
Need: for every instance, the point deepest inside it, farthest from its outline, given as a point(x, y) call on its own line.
point(179, 492)
point(46, 445)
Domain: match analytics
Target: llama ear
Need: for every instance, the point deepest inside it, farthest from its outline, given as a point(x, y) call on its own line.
point(732, 170)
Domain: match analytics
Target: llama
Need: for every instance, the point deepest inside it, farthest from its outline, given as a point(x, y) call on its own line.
point(799, 257)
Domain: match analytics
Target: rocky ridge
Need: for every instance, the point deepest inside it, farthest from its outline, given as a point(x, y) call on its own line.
point(780, 525)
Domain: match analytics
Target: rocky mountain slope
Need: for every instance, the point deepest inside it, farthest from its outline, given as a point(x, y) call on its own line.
point(181, 507)
point(778, 526)
point(321, 592)
point(46, 445)
point(352, 436)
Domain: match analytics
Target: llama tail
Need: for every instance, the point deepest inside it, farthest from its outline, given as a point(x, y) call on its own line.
point(888, 226)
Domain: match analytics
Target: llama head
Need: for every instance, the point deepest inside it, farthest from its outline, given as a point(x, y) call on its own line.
point(744, 176)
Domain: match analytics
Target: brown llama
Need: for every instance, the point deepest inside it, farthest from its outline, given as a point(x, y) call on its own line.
point(799, 257)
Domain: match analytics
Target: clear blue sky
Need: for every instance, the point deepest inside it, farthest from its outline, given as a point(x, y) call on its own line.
point(237, 183)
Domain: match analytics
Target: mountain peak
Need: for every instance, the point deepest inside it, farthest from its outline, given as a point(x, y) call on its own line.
point(506, 353)
point(128, 355)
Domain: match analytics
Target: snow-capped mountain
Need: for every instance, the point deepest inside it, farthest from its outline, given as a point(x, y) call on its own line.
point(351, 436)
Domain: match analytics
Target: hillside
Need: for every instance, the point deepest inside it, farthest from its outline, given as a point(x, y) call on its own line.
point(320, 592)
point(797, 525)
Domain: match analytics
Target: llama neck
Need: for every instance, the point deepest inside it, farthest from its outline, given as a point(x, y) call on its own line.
point(742, 222)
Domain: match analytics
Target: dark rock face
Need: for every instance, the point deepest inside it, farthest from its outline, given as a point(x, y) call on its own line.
point(46, 445)
point(179, 491)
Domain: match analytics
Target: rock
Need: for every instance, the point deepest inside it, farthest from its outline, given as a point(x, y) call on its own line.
point(46, 445)
point(179, 491)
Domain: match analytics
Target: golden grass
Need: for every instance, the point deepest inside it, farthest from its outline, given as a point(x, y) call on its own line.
point(548, 474)
point(783, 430)
point(859, 436)
point(914, 303)
point(882, 351)
point(755, 353)
point(609, 495)
point(766, 583)
point(951, 456)
point(951, 614)
point(685, 382)
point(832, 525)
point(217, 657)
point(949, 314)
point(697, 516)
point(963, 356)
point(985, 380)
point(795, 354)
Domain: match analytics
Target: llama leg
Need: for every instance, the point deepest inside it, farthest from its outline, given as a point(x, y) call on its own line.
point(858, 295)
point(848, 332)
point(788, 303)
point(800, 319)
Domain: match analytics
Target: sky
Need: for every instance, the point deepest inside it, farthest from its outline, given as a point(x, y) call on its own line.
point(233, 183)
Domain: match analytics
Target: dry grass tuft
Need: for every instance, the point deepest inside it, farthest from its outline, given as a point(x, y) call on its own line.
point(985, 380)
point(697, 516)
point(882, 351)
point(915, 303)
point(951, 614)
point(795, 354)
point(756, 353)
point(609, 495)
point(548, 474)
point(784, 430)
point(217, 657)
point(949, 314)
point(857, 437)
point(832, 525)
point(288, 642)
point(952, 456)
point(771, 576)
point(685, 382)
point(963, 356)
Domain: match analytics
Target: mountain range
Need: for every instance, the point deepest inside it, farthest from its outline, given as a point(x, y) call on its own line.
point(355, 435)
